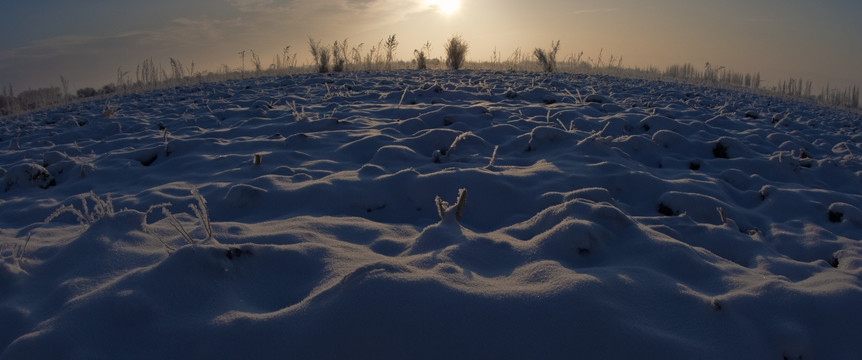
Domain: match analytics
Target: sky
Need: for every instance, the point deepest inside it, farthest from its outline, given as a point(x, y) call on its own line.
point(89, 42)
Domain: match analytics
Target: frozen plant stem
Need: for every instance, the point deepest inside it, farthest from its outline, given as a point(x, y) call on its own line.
point(722, 215)
point(152, 231)
point(20, 255)
point(202, 212)
point(177, 226)
point(493, 156)
point(459, 205)
point(101, 209)
point(443, 208)
point(402, 97)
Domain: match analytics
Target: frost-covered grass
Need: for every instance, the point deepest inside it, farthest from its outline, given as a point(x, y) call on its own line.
point(548, 58)
point(149, 75)
point(309, 216)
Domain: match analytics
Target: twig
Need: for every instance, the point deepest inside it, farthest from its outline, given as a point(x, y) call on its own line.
point(20, 255)
point(177, 226)
point(459, 205)
point(402, 97)
point(493, 156)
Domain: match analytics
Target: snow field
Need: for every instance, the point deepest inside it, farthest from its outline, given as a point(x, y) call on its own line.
point(605, 218)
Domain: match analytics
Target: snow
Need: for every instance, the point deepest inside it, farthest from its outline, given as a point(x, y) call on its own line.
point(601, 218)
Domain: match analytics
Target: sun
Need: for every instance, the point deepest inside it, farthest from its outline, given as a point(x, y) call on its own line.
point(445, 7)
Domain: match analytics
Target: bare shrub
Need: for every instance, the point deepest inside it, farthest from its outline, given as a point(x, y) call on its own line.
point(456, 52)
point(86, 92)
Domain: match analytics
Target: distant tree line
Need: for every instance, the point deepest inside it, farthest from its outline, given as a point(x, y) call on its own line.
point(28, 100)
point(713, 75)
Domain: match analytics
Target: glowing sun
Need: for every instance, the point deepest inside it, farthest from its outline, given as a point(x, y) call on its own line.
point(445, 7)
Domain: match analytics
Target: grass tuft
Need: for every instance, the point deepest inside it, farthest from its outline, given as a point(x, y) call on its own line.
point(101, 209)
point(339, 56)
point(422, 56)
point(548, 58)
point(391, 45)
point(320, 54)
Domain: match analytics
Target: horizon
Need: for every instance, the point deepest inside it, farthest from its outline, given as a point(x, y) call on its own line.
point(87, 44)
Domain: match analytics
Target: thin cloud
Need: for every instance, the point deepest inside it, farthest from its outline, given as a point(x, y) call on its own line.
point(178, 32)
point(90, 60)
point(376, 10)
point(43, 49)
point(345, 16)
point(762, 20)
point(594, 11)
point(194, 31)
point(252, 5)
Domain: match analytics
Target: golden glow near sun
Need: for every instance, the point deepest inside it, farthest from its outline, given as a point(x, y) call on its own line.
point(446, 7)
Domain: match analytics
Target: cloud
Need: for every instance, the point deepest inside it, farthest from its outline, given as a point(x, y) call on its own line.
point(191, 32)
point(283, 8)
point(361, 4)
point(326, 19)
point(89, 59)
point(177, 33)
point(320, 11)
point(252, 5)
point(594, 11)
point(43, 49)
point(380, 12)
point(263, 25)
point(762, 20)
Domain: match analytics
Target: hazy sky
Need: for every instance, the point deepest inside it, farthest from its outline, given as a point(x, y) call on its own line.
point(87, 41)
